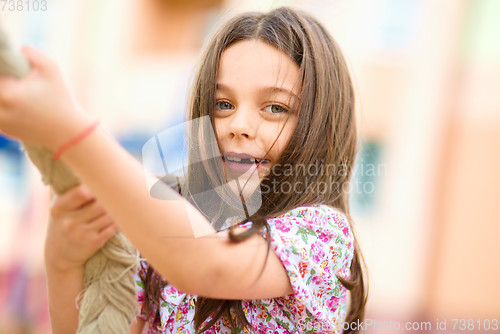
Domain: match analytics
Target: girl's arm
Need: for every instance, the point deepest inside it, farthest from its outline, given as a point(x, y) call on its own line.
point(78, 227)
point(210, 266)
point(63, 289)
point(137, 326)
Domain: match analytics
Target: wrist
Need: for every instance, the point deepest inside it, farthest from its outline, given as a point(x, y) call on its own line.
point(74, 135)
point(57, 265)
point(63, 268)
point(75, 140)
point(65, 129)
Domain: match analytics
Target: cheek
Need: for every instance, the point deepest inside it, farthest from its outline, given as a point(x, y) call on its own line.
point(282, 142)
point(219, 134)
point(284, 138)
point(276, 148)
point(219, 129)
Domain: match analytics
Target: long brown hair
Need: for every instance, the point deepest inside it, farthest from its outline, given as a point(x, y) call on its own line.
point(326, 135)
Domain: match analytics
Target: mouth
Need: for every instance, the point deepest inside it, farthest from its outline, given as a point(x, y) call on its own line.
point(242, 158)
point(241, 162)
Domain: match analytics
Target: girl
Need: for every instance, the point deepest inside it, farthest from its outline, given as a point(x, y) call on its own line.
point(279, 97)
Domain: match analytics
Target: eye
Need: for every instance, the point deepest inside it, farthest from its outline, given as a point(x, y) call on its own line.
point(223, 105)
point(276, 109)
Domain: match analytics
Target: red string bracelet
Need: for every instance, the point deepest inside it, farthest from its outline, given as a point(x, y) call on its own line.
point(73, 141)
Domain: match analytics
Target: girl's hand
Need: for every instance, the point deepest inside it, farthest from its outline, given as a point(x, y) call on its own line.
point(78, 227)
point(39, 108)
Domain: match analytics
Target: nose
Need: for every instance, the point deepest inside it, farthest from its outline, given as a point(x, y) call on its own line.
point(242, 123)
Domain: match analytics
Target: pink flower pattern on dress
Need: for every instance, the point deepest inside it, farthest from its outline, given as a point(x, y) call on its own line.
point(314, 244)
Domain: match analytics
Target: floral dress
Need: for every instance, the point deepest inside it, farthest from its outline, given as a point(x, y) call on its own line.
point(314, 243)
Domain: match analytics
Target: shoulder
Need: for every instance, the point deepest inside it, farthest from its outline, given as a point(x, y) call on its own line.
point(315, 246)
point(316, 233)
point(318, 220)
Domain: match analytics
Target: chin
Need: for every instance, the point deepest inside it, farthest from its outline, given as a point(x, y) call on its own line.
point(244, 186)
point(244, 195)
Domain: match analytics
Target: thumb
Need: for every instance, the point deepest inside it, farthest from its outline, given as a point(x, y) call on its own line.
point(38, 60)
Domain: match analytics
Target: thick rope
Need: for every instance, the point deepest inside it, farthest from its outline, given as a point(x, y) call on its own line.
point(108, 302)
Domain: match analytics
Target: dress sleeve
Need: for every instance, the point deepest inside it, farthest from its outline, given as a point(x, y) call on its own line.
point(314, 244)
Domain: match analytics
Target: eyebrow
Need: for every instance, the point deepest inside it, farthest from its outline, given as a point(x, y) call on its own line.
point(271, 89)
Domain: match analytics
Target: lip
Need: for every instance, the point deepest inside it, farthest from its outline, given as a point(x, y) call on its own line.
point(240, 155)
point(241, 168)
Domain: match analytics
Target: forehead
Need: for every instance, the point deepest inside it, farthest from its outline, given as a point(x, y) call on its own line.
point(253, 63)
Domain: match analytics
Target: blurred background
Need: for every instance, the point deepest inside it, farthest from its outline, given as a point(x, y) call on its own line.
point(425, 197)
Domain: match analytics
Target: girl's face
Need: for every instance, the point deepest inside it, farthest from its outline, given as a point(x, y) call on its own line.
point(257, 85)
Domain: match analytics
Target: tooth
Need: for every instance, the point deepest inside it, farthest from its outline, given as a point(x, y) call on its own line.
point(235, 159)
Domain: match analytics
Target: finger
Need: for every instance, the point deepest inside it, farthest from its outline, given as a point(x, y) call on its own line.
point(107, 233)
point(89, 212)
point(38, 60)
point(100, 223)
point(72, 200)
